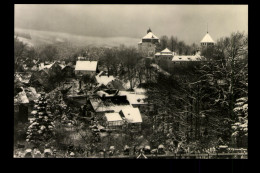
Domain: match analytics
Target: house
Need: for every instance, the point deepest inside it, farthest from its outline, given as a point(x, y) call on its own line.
point(113, 121)
point(86, 67)
point(133, 118)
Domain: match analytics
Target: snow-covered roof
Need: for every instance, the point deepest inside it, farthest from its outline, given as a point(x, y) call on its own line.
point(207, 39)
point(49, 66)
point(132, 115)
point(86, 65)
point(101, 93)
point(166, 50)
point(32, 94)
point(150, 35)
point(134, 98)
point(104, 79)
point(23, 77)
point(21, 97)
point(62, 66)
point(140, 90)
point(113, 117)
point(186, 58)
point(99, 106)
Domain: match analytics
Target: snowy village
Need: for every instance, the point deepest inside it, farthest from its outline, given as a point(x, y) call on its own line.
point(161, 98)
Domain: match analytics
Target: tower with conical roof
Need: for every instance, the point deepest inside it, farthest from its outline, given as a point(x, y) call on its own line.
point(207, 40)
point(147, 45)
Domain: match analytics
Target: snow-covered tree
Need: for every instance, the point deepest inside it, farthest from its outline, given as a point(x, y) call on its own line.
point(40, 130)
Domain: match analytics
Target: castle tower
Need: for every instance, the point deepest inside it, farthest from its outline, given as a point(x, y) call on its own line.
point(148, 44)
point(207, 40)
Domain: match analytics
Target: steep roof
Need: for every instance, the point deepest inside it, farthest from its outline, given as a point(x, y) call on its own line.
point(132, 115)
point(150, 35)
point(207, 39)
point(86, 65)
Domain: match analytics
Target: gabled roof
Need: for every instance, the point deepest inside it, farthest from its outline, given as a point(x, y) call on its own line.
point(207, 39)
point(150, 35)
point(86, 65)
point(132, 115)
point(113, 117)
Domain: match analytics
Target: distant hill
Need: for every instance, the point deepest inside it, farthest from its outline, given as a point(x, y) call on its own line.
point(47, 37)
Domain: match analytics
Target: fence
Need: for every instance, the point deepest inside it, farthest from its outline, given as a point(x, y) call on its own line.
point(190, 156)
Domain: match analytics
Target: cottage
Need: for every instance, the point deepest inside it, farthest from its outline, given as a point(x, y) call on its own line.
point(86, 67)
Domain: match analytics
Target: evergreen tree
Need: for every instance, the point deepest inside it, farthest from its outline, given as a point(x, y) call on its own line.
point(40, 130)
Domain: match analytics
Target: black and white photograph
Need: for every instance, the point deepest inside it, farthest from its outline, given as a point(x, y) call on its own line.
point(130, 81)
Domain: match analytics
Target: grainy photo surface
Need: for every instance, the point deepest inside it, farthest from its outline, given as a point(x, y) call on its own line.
point(131, 81)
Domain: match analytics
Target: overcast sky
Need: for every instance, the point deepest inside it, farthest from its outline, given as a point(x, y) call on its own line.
point(187, 22)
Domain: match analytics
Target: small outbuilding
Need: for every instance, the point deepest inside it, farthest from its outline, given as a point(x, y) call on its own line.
point(113, 120)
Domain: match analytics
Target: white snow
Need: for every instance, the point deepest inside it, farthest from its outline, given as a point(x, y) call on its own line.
point(132, 115)
point(86, 65)
point(207, 39)
point(113, 117)
point(104, 79)
point(150, 35)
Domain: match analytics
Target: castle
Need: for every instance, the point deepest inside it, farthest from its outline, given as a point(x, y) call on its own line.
point(147, 47)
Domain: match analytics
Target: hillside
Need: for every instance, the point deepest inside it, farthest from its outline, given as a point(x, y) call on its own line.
point(47, 37)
